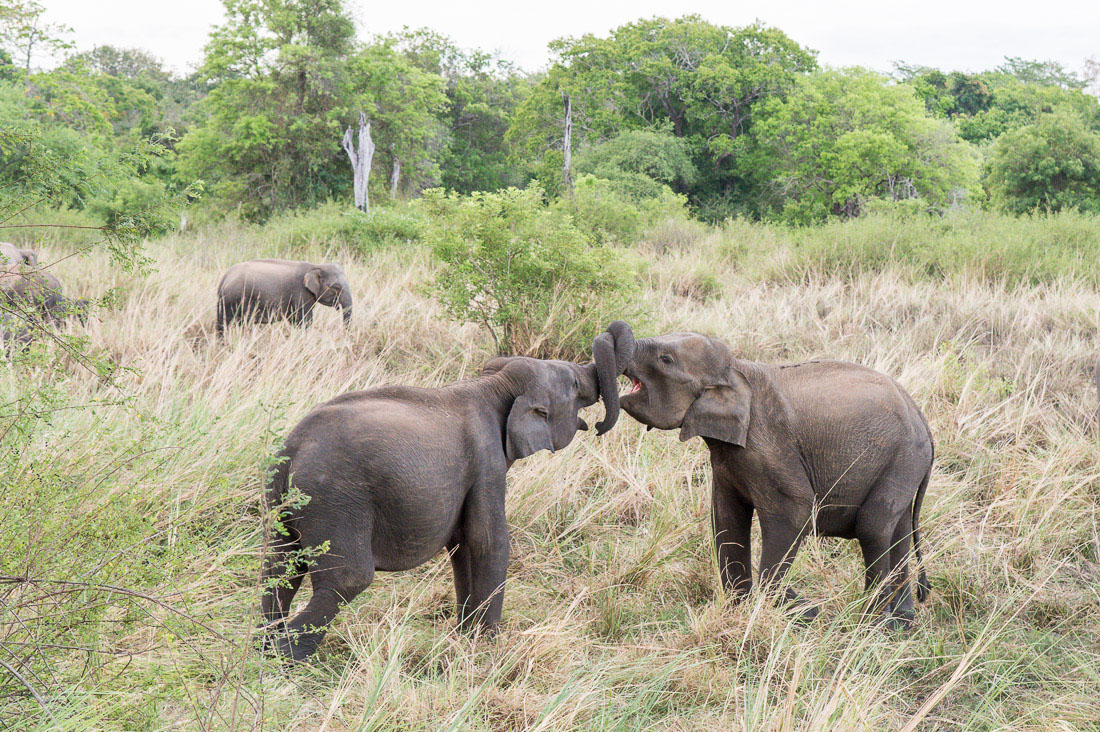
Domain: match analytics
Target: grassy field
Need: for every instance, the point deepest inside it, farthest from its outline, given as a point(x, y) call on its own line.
point(132, 528)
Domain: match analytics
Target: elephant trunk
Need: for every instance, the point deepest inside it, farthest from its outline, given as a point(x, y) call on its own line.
point(344, 303)
point(612, 351)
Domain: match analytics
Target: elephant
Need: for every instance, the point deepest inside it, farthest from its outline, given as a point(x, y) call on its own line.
point(38, 293)
point(11, 254)
point(828, 447)
point(1096, 378)
point(396, 474)
point(262, 290)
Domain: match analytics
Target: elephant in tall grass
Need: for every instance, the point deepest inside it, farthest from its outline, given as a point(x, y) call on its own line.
point(821, 447)
point(263, 290)
point(396, 474)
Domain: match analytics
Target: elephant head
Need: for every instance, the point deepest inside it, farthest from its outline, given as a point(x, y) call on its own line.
point(689, 381)
point(329, 286)
point(612, 350)
point(543, 415)
point(11, 254)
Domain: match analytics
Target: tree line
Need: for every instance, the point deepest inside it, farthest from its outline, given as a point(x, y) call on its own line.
point(740, 121)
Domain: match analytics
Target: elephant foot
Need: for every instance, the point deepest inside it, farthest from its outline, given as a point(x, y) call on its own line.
point(803, 610)
point(899, 620)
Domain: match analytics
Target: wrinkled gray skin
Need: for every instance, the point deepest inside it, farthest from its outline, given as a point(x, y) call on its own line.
point(263, 290)
point(396, 474)
point(11, 254)
point(825, 446)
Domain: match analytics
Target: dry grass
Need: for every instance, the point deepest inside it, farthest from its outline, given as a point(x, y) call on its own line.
point(612, 617)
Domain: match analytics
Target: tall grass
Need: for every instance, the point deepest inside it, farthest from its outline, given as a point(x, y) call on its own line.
point(143, 496)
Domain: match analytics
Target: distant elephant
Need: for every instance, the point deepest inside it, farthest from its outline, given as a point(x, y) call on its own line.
point(263, 290)
point(1096, 378)
point(826, 447)
point(395, 474)
point(11, 254)
point(38, 292)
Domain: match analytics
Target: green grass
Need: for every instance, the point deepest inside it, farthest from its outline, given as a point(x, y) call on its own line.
point(132, 529)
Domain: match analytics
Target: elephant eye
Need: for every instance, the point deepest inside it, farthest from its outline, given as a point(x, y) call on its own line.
point(665, 358)
point(541, 411)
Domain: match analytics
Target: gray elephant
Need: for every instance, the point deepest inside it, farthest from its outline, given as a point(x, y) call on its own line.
point(826, 447)
point(11, 254)
point(396, 474)
point(1096, 378)
point(263, 290)
point(37, 293)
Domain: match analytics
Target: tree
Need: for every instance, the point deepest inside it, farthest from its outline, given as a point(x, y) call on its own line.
point(641, 162)
point(483, 92)
point(404, 104)
point(24, 31)
point(844, 137)
point(702, 82)
point(1051, 165)
point(271, 126)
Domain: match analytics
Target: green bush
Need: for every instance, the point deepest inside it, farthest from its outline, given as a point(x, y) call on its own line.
point(524, 271)
point(608, 213)
point(137, 198)
point(341, 225)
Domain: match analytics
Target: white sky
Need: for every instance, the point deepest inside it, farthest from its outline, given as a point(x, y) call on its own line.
point(959, 34)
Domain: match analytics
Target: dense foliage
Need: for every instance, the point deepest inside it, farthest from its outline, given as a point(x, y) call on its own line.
point(740, 120)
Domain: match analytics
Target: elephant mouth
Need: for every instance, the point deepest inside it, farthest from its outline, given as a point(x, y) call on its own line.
point(637, 385)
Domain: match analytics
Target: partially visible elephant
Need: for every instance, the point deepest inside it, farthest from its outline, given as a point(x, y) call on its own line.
point(263, 290)
point(38, 293)
point(821, 447)
point(11, 254)
point(396, 474)
point(1096, 378)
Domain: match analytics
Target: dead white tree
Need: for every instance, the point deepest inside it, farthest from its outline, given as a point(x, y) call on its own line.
point(395, 179)
point(360, 160)
point(567, 145)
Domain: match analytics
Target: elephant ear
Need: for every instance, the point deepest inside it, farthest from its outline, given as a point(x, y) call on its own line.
point(527, 431)
point(29, 257)
point(312, 282)
point(721, 412)
point(494, 365)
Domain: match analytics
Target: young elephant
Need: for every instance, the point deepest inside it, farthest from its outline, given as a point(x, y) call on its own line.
point(263, 290)
point(824, 446)
point(396, 474)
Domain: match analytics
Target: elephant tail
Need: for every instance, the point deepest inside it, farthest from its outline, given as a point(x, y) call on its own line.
point(923, 587)
point(279, 484)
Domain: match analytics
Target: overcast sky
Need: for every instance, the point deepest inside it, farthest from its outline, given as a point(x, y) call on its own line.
point(950, 34)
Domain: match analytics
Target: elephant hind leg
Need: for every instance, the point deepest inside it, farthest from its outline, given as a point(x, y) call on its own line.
point(337, 576)
point(281, 577)
point(901, 587)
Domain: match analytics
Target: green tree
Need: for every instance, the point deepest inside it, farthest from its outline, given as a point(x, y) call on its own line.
point(1051, 165)
point(701, 81)
point(483, 92)
point(844, 137)
point(271, 127)
point(641, 162)
point(24, 31)
point(404, 104)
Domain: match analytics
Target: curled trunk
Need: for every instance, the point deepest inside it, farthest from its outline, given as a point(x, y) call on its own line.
point(612, 352)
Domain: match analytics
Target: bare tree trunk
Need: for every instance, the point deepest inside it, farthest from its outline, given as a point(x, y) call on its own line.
point(395, 178)
point(567, 145)
point(360, 161)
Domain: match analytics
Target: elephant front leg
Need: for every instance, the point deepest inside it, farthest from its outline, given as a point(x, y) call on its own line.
point(485, 534)
point(781, 535)
point(460, 566)
point(732, 521)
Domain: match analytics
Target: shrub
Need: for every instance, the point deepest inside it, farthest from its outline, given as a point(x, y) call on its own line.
point(135, 198)
point(607, 212)
point(524, 271)
point(341, 225)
